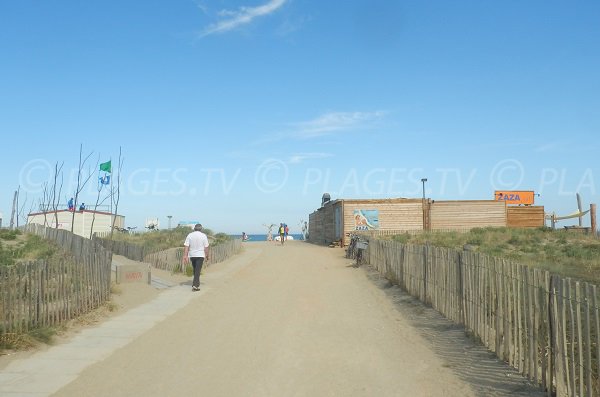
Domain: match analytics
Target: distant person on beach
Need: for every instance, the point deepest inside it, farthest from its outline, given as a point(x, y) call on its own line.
point(71, 204)
point(82, 207)
point(286, 230)
point(244, 236)
point(281, 232)
point(196, 251)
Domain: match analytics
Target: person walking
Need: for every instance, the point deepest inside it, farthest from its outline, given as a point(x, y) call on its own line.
point(281, 233)
point(196, 250)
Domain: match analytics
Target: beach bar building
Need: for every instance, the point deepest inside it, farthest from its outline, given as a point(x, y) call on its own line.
point(335, 219)
point(102, 221)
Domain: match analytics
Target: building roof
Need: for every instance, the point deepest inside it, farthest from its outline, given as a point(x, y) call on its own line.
point(78, 211)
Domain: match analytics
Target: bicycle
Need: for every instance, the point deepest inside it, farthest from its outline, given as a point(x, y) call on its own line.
point(351, 250)
point(361, 247)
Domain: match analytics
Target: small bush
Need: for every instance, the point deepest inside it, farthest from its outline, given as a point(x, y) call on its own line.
point(7, 234)
point(475, 239)
point(401, 238)
point(43, 334)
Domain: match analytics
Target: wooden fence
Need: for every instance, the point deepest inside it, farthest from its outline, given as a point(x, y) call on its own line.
point(47, 293)
point(170, 260)
point(129, 250)
point(545, 326)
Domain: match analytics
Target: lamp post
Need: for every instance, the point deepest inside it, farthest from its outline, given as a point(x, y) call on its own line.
point(169, 216)
point(425, 210)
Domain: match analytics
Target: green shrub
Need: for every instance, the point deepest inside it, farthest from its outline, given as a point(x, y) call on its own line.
point(7, 234)
point(43, 334)
point(402, 238)
point(475, 239)
point(164, 239)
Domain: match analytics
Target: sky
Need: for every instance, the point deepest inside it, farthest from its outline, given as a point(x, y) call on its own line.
point(243, 113)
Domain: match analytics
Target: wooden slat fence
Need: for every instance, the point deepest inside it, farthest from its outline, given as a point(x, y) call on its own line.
point(167, 260)
point(545, 326)
point(47, 293)
point(131, 251)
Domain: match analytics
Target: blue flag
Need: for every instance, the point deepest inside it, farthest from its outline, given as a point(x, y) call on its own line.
point(105, 180)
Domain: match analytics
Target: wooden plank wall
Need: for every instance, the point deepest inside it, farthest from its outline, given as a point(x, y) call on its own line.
point(406, 215)
point(467, 214)
point(530, 216)
point(546, 327)
point(394, 214)
point(321, 226)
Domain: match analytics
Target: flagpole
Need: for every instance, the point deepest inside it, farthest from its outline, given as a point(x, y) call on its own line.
point(111, 191)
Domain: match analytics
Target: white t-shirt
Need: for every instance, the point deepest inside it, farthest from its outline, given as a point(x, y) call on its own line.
point(197, 241)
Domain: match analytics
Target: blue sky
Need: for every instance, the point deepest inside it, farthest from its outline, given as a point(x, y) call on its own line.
point(239, 113)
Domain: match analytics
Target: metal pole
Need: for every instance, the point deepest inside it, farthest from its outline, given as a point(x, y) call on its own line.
point(423, 180)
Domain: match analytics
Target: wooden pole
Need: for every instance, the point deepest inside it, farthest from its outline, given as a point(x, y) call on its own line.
point(14, 210)
point(580, 208)
point(593, 218)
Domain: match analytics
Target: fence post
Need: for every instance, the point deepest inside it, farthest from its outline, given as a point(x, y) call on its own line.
point(425, 251)
point(552, 320)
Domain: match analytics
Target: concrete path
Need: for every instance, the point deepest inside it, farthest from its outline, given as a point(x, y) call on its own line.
point(296, 320)
point(44, 373)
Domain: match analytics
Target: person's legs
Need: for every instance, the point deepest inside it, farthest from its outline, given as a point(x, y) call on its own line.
point(197, 265)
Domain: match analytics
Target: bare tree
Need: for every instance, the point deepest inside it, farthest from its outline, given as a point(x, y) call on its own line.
point(43, 202)
point(30, 211)
point(99, 201)
point(50, 196)
point(82, 180)
point(21, 204)
point(116, 194)
point(55, 194)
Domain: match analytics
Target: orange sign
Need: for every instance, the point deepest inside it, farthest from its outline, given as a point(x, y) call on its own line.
point(521, 197)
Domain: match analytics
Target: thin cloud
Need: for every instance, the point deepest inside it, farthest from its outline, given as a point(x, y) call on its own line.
point(331, 123)
point(547, 147)
point(243, 16)
point(300, 157)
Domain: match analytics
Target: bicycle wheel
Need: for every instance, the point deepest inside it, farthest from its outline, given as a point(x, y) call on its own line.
point(359, 258)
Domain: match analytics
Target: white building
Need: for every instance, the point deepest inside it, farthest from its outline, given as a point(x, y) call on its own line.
point(82, 221)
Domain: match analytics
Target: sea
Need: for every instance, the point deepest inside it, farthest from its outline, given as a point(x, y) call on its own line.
point(263, 237)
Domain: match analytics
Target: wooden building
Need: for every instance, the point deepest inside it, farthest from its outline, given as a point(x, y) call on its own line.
point(527, 216)
point(335, 219)
point(82, 221)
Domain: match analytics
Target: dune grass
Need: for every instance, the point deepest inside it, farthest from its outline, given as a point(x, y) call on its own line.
point(562, 252)
point(16, 246)
point(165, 239)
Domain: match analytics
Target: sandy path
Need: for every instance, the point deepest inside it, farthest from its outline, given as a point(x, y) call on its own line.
point(295, 321)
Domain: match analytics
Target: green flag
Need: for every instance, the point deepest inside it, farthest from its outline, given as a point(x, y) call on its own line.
point(106, 167)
